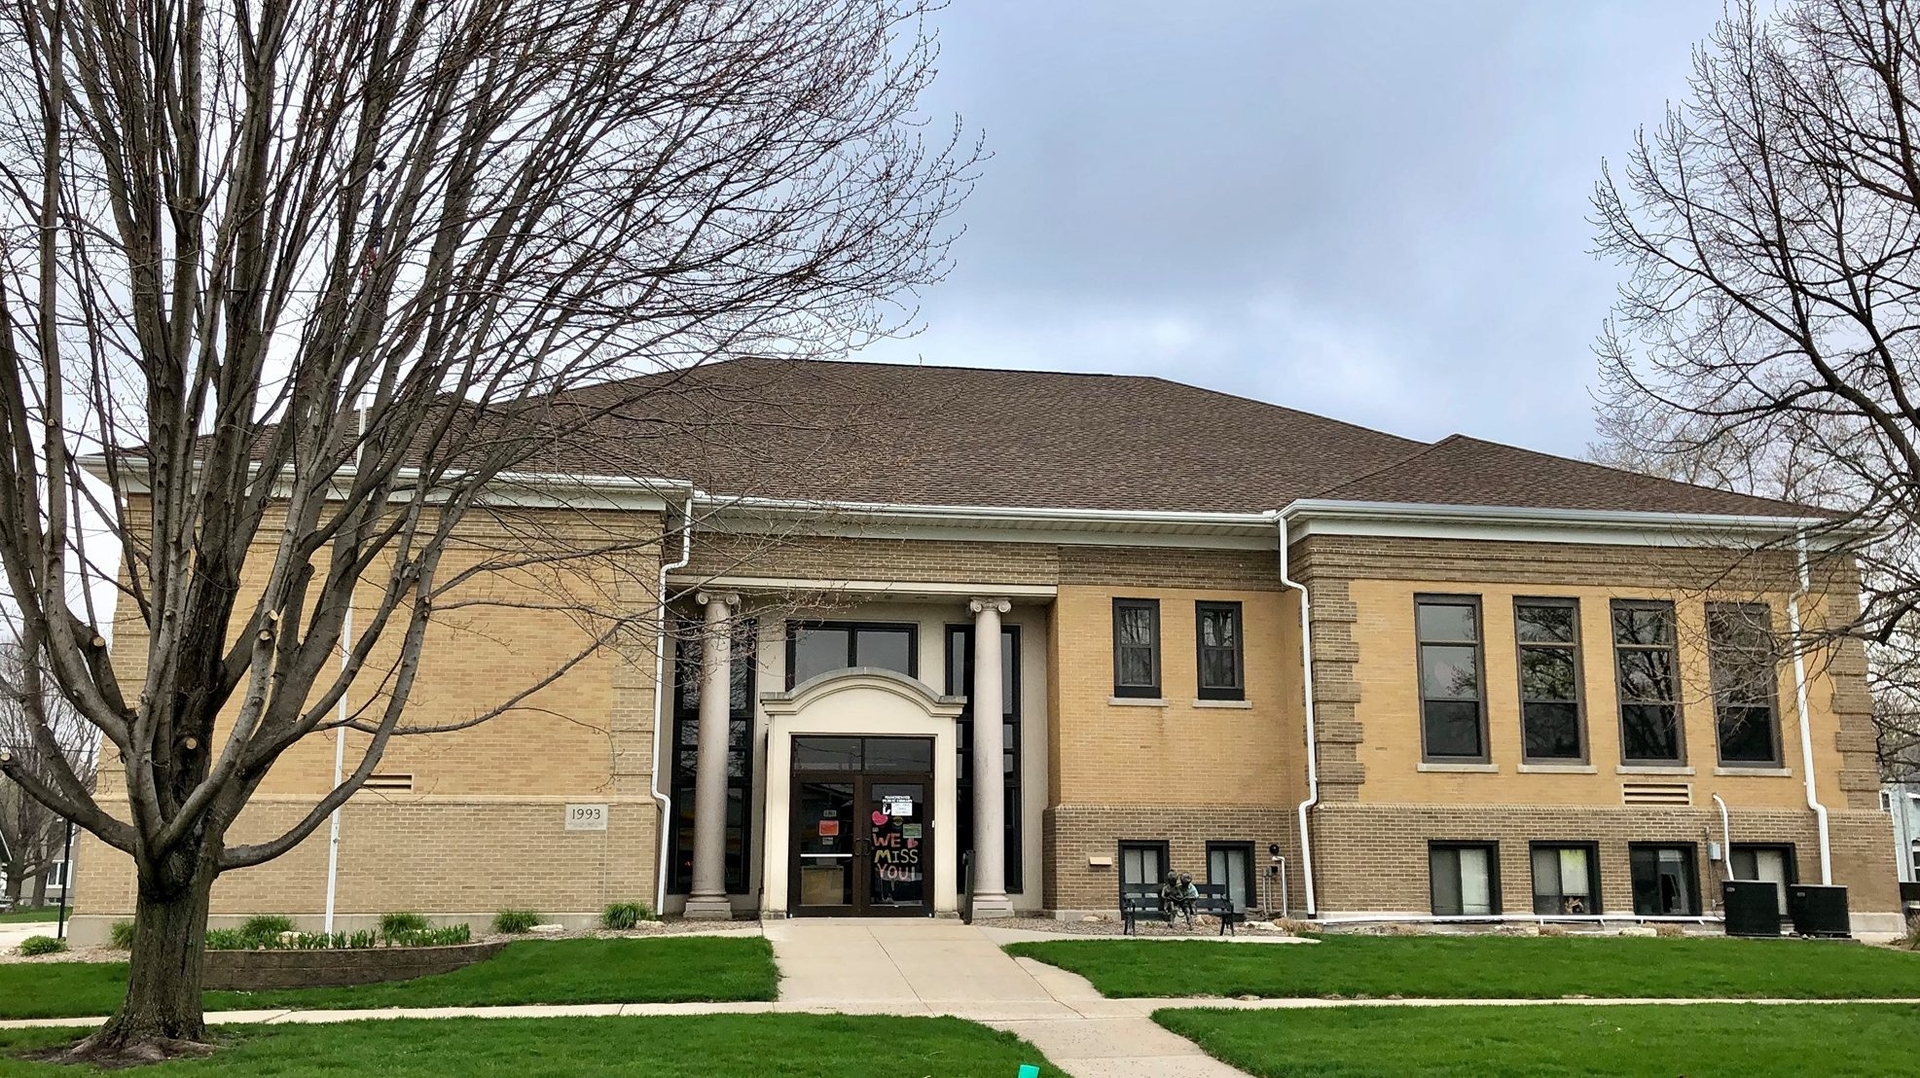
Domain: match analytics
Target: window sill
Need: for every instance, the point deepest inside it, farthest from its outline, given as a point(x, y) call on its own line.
point(1223, 703)
point(1473, 769)
point(1652, 769)
point(1559, 769)
point(1756, 772)
point(1136, 701)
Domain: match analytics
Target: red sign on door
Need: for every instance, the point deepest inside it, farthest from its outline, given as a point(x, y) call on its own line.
point(829, 828)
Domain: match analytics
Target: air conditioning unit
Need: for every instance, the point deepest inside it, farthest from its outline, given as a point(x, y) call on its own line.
point(1819, 910)
point(1752, 907)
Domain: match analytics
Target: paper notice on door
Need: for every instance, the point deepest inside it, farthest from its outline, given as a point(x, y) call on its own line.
point(897, 805)
point(910, 830)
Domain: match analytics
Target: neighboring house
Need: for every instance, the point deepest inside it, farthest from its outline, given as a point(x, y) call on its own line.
point(1902, 802)
point(1533, 680)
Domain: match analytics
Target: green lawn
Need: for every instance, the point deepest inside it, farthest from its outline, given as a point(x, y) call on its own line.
point(50, 914)
point(789, 1045)
point(1747, 1040)
point(1489, 967)
point(672, 969)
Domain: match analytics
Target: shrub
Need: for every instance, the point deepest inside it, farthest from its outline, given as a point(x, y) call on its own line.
point(515, 921)
point(392, 924)
point(34, 945)
point(266, 927)
point(1912, 939)
point(443, 936)
point(120, 936)
point(1669, 931)
point(1295, 927)
point(625, 915)
point(1554, 930)
point(228, 939)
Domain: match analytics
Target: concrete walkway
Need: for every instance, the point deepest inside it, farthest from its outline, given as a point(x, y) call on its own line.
point(922, 967)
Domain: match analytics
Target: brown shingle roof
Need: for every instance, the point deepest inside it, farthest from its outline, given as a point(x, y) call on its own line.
point(918, 435)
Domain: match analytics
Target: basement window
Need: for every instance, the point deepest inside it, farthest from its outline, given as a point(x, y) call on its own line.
point(1465, 878)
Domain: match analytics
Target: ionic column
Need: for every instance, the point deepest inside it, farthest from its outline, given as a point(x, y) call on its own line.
point(989, 782)
point(709, 895)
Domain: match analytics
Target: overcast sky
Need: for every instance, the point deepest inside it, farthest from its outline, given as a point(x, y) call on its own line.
point(1376, 211)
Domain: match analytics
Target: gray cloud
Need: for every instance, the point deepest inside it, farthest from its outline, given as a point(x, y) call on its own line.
point(1372, 211)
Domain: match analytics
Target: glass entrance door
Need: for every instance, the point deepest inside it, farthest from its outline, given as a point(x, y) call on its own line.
point(862, 827)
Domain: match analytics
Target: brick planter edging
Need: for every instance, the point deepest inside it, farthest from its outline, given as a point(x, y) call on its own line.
point(253, 971)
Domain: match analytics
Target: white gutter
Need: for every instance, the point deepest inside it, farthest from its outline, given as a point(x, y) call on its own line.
point(659, 685)
point(1726, 838)
point(1800, 701)
point(1506, 514)
point(1306, 691)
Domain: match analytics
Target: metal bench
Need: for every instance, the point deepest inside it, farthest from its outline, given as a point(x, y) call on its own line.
point(1213, 902)
point(1139, 900)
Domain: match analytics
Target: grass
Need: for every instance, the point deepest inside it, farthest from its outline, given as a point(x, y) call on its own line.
point(49, 914)
point(791, 1045)
point(673, 969)
point(1749, 1040)
point(1489, 967)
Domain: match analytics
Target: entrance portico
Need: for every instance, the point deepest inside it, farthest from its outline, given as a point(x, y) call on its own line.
point(894, 726)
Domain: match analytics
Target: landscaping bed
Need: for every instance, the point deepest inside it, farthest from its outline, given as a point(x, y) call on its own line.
point(672, 969)
point(790, 1045)
point(1490, 967)
point(1701, 1040)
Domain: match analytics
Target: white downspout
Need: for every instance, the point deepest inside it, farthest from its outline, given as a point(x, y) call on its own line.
point(659, 685)
point(1800, 701)
point(1306, 691)
point(1726, 837)
point(339, 763)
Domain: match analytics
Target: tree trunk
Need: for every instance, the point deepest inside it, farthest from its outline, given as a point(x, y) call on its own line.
point(161, 1016)
point(40, 888)
point(15, 883)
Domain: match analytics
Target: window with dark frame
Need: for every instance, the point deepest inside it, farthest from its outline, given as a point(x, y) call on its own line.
point(1646, 667)
point(1547, 639)
point(1464, 878)
point(1666, 880)
point(1217, 637)
point(1136, 648)
point(821, 647)
point(686, 753)
point(1744, 665)
point(1566, 880)
point(1769, 861)
point(1452, 704)
point(960, 683)
point(1231, 863)
point(1142, 862)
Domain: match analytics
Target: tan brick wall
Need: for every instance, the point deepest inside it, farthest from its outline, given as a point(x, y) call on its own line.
point(1373, 857)
point(481, 822)
point(1074, 834)
point(471, 856)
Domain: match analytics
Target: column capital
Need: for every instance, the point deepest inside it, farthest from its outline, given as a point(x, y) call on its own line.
point(729, 599)
point(982, 605)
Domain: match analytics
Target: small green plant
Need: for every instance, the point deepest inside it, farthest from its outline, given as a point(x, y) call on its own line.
point(37, 945)
point(443, 936)
point(228, 939)
point(515, 921)
point(120, 936)
point(624, 915)
point(392, 924)
point(264, 928)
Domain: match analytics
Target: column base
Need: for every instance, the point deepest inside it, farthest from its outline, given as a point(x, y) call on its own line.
point(992, 907)
point(708, 908)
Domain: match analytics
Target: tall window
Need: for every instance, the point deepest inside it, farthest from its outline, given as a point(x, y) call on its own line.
point(1647, 670)
point(1231, 863)
point(1665, 880)
point(57, 874)
point(821, 647)
point(686, 753)
point(1217, 630)
point(1548, 636)
point(1740, 652)
point(1143, 863)
point(960, 683)
point(1136, 647)
point(1563, 879)
point(1451, 706)
point(1465, 878)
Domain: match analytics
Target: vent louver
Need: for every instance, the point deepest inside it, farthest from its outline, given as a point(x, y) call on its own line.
point(1656, 793)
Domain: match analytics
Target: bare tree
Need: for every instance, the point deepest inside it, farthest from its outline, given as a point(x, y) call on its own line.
point(33, 835)
point(1765, 337)
point(313, 282)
